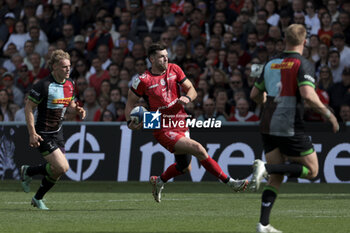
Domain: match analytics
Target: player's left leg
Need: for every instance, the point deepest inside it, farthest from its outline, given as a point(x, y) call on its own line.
point(270, 192)
point(182, 165)
point(190, 146)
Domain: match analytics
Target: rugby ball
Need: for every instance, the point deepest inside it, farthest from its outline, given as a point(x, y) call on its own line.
point(136, 114)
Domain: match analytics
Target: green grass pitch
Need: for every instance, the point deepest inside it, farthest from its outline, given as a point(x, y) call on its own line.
point(186, 207)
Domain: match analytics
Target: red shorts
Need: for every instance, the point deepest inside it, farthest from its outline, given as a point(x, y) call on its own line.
point(168, 138)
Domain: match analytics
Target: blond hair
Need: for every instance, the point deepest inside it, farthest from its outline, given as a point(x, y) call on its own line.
point(295, 34)
point(57, 56)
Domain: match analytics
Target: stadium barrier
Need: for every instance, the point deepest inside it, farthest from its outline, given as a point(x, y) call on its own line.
point(110, 151)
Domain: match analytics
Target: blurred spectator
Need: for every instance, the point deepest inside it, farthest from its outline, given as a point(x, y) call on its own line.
point(210, 112)
point(80, 70)
point(242, 113)
point(100, 36)
point(243, 56)
point(344, 20)
point(80, 44)
point(37, 72)
point(5, 105)
point(314, 44)
point(33, 22)
point(80, 85)
point(103, 55)
point(117, 56)
point(332, 6)
point(252, 40)
point(65, 16)
point(168, 16)
point(285, 20)
point(339, 92)
point(339, 42)
point(222, 5)
point(68, 35)
point(96, 79)
point(105, 88)
point(325, 81)
point(103, 102)
point(40, 46)
point(275, 32)
point(123, 85)
point(323, 56)
point(17, 37)
point(166, 41)
point(108, 23)
point(345, 113)
point(149, 24)
point(311, 17)
point(7, 27)
point(262, 30)
point(90, 103)
point(272, 16)
point(107, 116)
point(180, 53)
point(120, 106)
point(25, 79)
point(140, 67)
point(138, 51)
point(129, 64)
point(336, 67)
point(12, 63)
point(115, 98)
point(325, 32)
point(14, 93)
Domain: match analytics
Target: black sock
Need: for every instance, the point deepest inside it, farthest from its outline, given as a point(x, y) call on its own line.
point(268, 198)
point(290, 170)
point(37, 170)
point(46, 184)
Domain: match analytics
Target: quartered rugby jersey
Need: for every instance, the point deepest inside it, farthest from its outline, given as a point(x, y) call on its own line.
point(281, 78)
point(53, 99)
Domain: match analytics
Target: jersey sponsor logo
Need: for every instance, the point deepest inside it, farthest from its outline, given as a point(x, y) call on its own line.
point(162, 82)
point(309, 77)
point(171, 76)
point(62, 101)
point(153, 86)
point(34, 93)
point(143, 76)
point(136, 82)
point(283, 65)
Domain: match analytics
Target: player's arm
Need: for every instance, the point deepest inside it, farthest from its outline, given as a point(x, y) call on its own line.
point(132, 100)
point(75, 105)
point(191, 93)
point(34, 138)
point(258, 96)
point(311, 98)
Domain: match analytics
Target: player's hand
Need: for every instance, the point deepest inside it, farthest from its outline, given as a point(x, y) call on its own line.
point(133, 126)
point(334, 122)
point(34, 140)
point(183, 100)
point(80, 110)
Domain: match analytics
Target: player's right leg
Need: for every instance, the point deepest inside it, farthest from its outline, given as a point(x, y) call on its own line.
point(58, 166)
point(190, 146)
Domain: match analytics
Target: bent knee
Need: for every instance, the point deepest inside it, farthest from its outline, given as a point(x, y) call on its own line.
point(61, 169)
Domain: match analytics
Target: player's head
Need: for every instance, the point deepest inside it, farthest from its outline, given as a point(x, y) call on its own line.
point(60, 64)
point(295, 35)
point(158, 56)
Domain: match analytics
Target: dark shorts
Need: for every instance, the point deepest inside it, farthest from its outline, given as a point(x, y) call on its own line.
point(51, 142)
point(297, 145)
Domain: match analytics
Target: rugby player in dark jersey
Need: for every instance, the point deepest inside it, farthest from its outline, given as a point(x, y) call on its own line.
point(161, 87)
point(286, 81)
point(51, 96)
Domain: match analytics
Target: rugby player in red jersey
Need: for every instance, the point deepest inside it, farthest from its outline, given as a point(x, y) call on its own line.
point(160, 86)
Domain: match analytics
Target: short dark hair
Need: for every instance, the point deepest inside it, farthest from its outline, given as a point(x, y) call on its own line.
point(154, 48)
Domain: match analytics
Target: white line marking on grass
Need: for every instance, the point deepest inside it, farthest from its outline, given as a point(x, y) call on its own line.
point(95, 201)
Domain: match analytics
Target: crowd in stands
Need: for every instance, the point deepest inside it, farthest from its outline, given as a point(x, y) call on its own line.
point(215, 42)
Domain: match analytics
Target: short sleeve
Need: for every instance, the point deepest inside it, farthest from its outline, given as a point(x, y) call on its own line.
point(138, 86)
point(180, 75)
point(306, 74)
point(36, 94)
point(260, 82)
